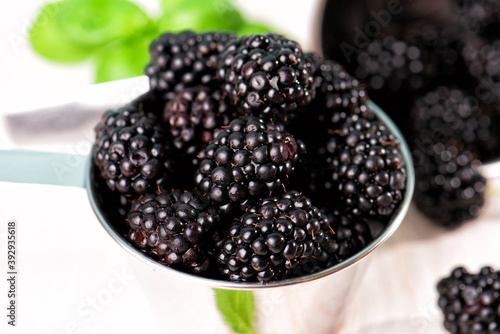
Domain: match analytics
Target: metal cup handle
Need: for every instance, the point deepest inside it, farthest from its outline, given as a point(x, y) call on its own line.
point(43, 168)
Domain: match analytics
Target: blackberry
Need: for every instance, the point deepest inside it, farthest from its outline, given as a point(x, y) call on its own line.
point(470, 301)
point(402, 62)
point(368, 172)
point(246, 160)
point(194, 116)
point(454, 113)
point(478, 16)
point(173, 228)
point(352, 234)
point(336, 89)
point(184, 59)
point(131, 151)
point(483, 63)
point(279, 237)
point(449, 187)
point(265, 74)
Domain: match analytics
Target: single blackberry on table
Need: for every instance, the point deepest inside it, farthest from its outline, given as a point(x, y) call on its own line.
point(478, 16)
point(184, 59)
point(449, 186)
point(265, 74)
point(470, 301)
point(131, 151)
point(451, 113)
point(194, 116)
point(249, 159)
point(279, 237)
point(173, 227)
point(367, 170)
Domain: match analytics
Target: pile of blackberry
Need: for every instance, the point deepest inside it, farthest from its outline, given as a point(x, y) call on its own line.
point(470, 301)
point(253, 128)
point(438, 78)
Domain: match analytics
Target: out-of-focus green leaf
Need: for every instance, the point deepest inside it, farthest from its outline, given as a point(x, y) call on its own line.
point(96, 22)
point(201, 16)
point(49, 38)
point(249, 28)
point(166, 5)
point(122, 59)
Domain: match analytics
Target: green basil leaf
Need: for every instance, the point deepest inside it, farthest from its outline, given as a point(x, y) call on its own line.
point(122, 59)
point(49, 38)
point(96, 22)
point(249, 28)
point(202, 16)
point(237, 308)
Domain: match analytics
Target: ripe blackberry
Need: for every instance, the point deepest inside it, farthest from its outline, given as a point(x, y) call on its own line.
point(131, 151)
point(454, 113)
point(248, 159)
point(194, 116)
point(335, 89)
point(470, 301)
point(265, 74)
point(184, 59)
point(279, 237)
point(478, 16)
point(401, 62)
point(368, 173)
point(449, 187)
point(173, 228)
point(483, 63)
point(352, 234)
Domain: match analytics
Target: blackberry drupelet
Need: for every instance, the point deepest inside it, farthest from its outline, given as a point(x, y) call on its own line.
point(454, 113)
point(265, 74)
point(185, 59)
point(131, 151)
point(470, 301)
point(247, 160)
point(449, 187)
point(278, 238)
point(194, 116)
point(480, 17)
point(173, 228)
point(368, 172)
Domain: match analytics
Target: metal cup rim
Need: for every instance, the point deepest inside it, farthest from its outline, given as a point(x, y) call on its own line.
point(228, 285)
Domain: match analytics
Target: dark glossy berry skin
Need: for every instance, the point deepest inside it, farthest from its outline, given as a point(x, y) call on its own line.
point(131, 151)
point(449, 187)
point(265, 74)
point(367, 169)
point(173, 228)
point(247, 160)
point(278, 238)
point(453, 113)
point(470, 301)
point(352, 234)
point(335, 88)
point(184, 59)
point(194, 117)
